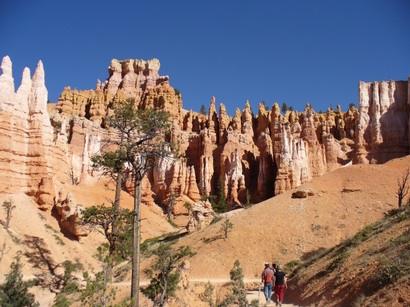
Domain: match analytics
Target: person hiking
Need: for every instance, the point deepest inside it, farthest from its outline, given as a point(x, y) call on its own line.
point(280, 285)
point(268, 280)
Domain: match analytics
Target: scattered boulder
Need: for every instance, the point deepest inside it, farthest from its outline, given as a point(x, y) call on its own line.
point(302, 193)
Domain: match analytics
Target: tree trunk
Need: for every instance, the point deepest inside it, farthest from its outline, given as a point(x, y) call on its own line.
point(136, 234)
point(117, 200)
point(114, 230)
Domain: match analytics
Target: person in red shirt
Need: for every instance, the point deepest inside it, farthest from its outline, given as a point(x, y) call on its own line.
point(268, 280)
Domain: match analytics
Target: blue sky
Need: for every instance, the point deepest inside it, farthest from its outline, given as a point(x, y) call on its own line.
point(287, 51)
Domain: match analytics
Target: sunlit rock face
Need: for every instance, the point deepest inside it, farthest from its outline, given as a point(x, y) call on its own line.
point(382, 130)
point(247, 157)
point(30, 158)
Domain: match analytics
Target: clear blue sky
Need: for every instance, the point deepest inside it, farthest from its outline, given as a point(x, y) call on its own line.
point(293, 51)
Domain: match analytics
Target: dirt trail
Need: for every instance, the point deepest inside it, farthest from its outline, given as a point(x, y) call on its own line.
point(250, 295)
point(256, 295)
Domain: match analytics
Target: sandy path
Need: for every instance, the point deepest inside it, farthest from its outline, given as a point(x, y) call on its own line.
point(251, 295)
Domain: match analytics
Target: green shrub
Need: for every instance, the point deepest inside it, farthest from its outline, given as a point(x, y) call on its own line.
point(14, 291)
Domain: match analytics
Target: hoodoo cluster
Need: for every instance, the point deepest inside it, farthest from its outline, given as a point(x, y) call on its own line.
point(246, 157)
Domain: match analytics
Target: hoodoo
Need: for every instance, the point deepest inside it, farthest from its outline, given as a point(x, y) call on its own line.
point(247, 157)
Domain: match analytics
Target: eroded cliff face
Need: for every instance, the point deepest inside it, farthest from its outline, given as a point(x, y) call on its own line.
point(248, 157)
point(30, 159)
point(382, 131)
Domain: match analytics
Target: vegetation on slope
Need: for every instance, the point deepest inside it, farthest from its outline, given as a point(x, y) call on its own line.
point(362, 269)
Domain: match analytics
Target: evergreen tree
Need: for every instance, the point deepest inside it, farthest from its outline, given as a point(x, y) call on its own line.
point(164, 274)
point(238, 289)
point(14, 291)
point(8, 209)
point(219, 204)
point(238, 295)
point(144, 134)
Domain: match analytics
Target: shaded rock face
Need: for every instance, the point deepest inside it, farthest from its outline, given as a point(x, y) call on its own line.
point(247, 157)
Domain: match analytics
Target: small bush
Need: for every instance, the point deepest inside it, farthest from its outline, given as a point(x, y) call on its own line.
point(291, 265)
point(226, 228)
point(208, 295)
point(386, 275)
point(58, 240)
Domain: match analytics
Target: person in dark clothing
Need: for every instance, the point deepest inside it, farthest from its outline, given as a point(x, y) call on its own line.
point(280, 285)
point(268, 280)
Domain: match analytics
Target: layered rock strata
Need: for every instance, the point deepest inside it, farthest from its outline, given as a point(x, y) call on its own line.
point(30, 159)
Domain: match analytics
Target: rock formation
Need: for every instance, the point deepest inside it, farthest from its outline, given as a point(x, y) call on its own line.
point(201, 215)
point(68, 215)
point(246, 158)
point(29, 158)
point(382, 131)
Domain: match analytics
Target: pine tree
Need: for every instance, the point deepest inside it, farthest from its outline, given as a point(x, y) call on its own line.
point(164, 274)
point(14, 291)
point(238, 289)
point(238, 295)
point(144, 139)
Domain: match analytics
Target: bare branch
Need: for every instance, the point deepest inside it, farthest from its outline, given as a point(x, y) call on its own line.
point(403, 187)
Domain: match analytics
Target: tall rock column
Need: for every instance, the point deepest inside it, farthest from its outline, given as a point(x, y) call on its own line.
point(382, 130)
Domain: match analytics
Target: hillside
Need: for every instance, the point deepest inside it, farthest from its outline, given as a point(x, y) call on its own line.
point(283, 229)
point(36, 236)
point(370, 269)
